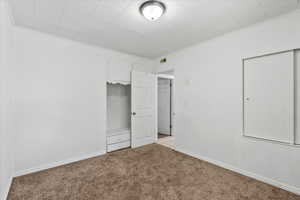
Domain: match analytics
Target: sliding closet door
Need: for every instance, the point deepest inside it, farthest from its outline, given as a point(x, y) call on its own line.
point(144, 101)
point(269, 97)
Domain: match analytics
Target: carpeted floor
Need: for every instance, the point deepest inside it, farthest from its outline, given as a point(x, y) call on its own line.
point(152, 172)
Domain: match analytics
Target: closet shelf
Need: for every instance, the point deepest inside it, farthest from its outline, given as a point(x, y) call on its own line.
point(118, 82)
point(120, 131)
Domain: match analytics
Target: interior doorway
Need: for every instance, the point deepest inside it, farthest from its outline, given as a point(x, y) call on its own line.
point(165, 104)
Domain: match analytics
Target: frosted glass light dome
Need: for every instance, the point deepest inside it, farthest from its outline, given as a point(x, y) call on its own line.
point(152, 10)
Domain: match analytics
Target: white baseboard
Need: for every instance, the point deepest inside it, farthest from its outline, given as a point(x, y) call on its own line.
point(56, 164)
point(6, 190)
point(243, 172)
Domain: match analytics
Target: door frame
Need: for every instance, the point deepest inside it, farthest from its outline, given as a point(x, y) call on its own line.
point(172, 102)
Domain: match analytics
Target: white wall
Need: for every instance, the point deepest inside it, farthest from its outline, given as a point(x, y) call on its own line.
point(59, 99)
point(6, 139)
point(209, 102)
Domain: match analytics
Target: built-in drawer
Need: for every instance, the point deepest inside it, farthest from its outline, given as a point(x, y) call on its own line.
point(118, 138)
point(117, 146)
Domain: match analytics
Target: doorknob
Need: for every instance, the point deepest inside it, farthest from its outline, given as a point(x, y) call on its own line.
point(133, 113)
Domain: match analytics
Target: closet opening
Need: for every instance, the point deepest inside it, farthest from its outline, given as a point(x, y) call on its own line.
point(165, 114)
point(118, 116)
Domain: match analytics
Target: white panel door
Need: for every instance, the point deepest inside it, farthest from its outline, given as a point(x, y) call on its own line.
point(269, 97)
point(144, 102)
point(164, 106)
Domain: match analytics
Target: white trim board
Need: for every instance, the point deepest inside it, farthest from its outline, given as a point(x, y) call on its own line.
point(258, 177)
point(6, 190)
point(58, 163)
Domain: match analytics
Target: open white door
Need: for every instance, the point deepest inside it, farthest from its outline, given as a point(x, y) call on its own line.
point(144, 101)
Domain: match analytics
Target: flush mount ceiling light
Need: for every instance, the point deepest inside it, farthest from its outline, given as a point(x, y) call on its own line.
point(152, 10)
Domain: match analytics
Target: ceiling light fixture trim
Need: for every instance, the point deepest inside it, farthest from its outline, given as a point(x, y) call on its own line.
point(152, 10)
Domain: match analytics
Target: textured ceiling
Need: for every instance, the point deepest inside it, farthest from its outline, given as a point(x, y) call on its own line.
point(118, 25)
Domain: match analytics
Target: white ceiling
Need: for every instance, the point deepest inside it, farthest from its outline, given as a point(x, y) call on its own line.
point(117, 24)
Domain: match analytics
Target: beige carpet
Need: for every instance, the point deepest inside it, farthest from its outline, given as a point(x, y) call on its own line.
point(152, 172)
point(168, 141)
